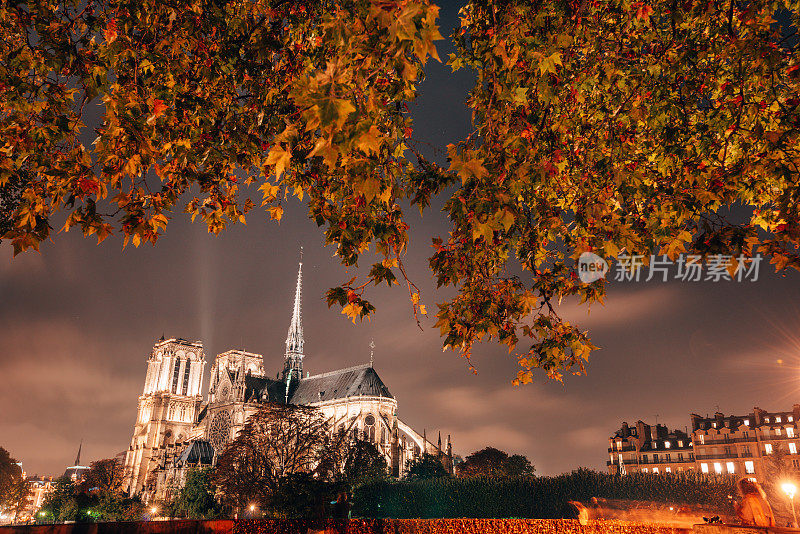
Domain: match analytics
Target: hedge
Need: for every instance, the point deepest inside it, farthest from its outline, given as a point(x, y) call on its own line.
point(536, 497)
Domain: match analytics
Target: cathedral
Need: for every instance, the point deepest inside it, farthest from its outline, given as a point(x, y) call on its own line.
point(177, 429)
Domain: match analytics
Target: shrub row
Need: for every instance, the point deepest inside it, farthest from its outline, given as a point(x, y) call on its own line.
point(539, 497)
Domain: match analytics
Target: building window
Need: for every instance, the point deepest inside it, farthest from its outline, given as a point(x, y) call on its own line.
point(176, 375)
point(747, 422)
point(619, 445)
point(654, 445)
point(666, 444)
point(790, 432)
point(766, 419)
point(749, 468)
point(668, 470)
point(790, 418)
point(702, 439)
point(680, 456)
point(796, 464)
point(727, 451)
point(777, 431)
point(768, 448)
point(691, 456)
point(704, 468)
point(745, 434)
point(718, 468)
point(680, 443)
point(777, 419)
point(655, 470)
point(793, 448)
point(645, 470)
point(731, 468)
point(655, 458)
point(714, 425)
point(666, 457)
point(185, 389)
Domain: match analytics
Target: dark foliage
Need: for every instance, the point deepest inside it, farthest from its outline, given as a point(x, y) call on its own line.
point(534, 497)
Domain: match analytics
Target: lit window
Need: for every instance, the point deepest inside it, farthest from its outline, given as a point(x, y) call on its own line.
point(793, 448)
point(790, 432)
point(655, 470)
point(777, 419)
point(766, 419)
point(790, 418)
point(645, 470)
point(702, 438)
point(619, 445)
point(666, 445)
point(749, 467)
point(714, 425)
point(730, 467)
point(768, 448)
point(654, 445)
point(747, 422)
point(718, 468)
point(704, 468)
point(668, 470)
point(777, 431)
point(680, 443)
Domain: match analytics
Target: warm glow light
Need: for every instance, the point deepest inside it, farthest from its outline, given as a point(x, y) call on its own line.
point(789, 489)
point(153, 510)
point(252, 507)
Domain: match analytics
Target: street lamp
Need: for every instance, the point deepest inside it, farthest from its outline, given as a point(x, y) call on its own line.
point(153, 511)
point(252, 510)
point(790, 489)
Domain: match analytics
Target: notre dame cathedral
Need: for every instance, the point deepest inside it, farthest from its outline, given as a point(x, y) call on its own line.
point(176, 429)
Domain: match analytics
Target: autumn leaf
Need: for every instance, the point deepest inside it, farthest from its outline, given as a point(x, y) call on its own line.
point(158, 109)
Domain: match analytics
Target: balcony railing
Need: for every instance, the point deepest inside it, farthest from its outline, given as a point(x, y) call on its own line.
point(722, 456)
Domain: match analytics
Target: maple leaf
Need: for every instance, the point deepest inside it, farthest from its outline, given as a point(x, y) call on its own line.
point(158, 109)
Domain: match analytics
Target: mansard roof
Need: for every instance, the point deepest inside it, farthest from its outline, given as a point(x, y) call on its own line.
point(198, 452)
point(340, 384)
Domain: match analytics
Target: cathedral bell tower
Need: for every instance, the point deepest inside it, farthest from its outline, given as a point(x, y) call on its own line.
point(293, 363)
point(167, 406)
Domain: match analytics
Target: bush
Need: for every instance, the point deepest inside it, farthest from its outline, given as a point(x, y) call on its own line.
point(534, 497)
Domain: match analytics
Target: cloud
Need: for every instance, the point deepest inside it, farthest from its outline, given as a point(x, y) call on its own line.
point(623, 309)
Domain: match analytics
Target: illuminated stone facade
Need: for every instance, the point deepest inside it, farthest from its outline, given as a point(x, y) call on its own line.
point(175, 428)
point(649, 449)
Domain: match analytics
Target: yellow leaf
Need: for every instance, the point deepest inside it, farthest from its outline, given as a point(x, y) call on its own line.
point(370, 188)
point(280, 158)
point(415, 298)
point(422, 309)
point(275, 212)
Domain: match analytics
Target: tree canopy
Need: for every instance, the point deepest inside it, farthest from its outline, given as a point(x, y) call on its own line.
point(619, 127)
point(493, 463)
point(14, 489)
point(426, 466)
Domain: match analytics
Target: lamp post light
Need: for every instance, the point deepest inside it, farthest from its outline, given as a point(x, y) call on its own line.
point(790, 489)
point(252, 510)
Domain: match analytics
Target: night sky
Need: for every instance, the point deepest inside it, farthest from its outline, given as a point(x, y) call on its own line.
point(77, 322)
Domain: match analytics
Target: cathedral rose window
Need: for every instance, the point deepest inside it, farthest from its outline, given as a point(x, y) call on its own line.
point(220, 431)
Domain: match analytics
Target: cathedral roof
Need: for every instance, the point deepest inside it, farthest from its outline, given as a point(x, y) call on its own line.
point(198, 452)
point(349, 382)
point(259, 389)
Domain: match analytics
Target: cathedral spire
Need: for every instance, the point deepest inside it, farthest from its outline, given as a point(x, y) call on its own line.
point(78, 458)
point(294, 339)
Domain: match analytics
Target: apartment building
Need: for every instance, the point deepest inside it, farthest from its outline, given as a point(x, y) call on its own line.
point(737, 445)
point(649, 449)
